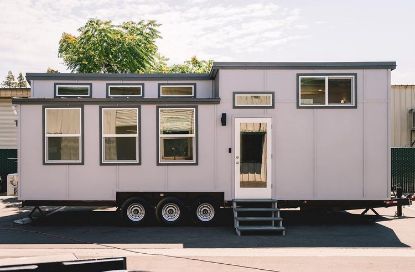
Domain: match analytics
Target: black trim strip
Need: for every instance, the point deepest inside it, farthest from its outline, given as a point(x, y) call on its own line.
point(112, 101)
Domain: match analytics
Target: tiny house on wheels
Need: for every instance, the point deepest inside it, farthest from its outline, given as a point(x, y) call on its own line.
point(253, 136)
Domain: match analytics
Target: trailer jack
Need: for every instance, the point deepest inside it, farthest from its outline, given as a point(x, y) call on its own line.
point(371, 209)
point(36, 208)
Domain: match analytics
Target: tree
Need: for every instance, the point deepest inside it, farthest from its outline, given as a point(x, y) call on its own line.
point(21, 81)
point(9, 82)
point(51, 71)
point(194, 65)
point(102, 47)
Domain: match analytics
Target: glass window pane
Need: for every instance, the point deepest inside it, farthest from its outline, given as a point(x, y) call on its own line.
point(253, 152)
point(63, 148)
point(177, 90)
point(125, 90)
point(253, 100)
point(340, 90)
point(177, 149)
point(120, 148)
point(313, 91)
point(73, 90)
point(177, 121)
point(63, 121)
point(120, 121)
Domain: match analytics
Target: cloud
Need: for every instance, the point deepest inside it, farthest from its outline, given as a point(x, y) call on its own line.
point(223, 30)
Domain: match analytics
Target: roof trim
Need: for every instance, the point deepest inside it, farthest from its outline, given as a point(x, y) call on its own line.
point(302, 65)
point(114, 101)
point(115, 77)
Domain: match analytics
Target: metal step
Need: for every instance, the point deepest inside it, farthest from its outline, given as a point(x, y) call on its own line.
point(254, 200)
point(256, 209)
point(259, 228)
point(258, 218)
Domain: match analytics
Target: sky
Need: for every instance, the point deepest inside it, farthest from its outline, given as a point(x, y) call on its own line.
point(238, 30)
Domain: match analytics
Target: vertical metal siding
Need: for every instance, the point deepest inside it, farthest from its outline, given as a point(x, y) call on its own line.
point(7, 125)
point(403, 99)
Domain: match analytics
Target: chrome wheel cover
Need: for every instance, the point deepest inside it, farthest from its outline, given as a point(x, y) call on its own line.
point(205, 212)
point(170, 212)
point(136, 212)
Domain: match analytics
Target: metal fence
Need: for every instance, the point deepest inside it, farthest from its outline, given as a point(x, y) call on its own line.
point(403, 169)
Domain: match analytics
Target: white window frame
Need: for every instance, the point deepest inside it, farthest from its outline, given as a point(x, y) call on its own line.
point(175, 86)
point(72, 86)
point(47, 135)
point(326, 91)
point(160, 136)
point(127, 86)
point(103, 136)
point(236, 94)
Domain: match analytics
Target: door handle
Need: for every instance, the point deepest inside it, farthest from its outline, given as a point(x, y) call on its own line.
point(237, 162)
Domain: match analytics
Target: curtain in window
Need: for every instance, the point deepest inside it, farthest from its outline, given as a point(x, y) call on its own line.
point(63, 121)
point(253, 127)
point(253, 100)
point(177, 121)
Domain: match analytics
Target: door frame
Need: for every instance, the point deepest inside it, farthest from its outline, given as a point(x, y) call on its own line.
point(251, 193)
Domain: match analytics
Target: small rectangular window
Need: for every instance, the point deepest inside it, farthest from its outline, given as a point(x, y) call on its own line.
point(125, 90)
point(69, 90)
point(182, 90)
point(63, 129)
point(177, 135)
point(327, 90)
point(119, 134)
point(253, 100)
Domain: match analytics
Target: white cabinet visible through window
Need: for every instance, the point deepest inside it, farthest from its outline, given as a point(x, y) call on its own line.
point(63, 131)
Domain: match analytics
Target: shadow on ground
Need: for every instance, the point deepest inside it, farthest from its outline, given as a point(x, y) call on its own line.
point(84, 225)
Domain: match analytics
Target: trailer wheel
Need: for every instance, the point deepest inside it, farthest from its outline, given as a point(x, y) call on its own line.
point(205, 210)
point(170, 211)
point(134, 211)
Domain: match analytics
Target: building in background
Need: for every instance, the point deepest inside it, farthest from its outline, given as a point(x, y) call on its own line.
point(8, 132)
point(402, 125)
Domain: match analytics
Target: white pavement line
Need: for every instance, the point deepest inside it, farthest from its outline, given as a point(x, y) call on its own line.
point(38, 259)
point(217, 252)
point(90, 246)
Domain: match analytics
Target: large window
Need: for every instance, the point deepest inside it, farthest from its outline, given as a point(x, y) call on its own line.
point(253, 100)
point(327, 90)
point(120, 130)
point(180, 90)
point(63, 130)
point(125, 90)
point(73, 90)
point(177, 135)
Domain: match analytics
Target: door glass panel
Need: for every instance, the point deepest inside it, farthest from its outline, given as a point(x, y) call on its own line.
point(253, 155)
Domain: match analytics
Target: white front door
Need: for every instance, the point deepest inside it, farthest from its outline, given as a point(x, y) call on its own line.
point(252, 158)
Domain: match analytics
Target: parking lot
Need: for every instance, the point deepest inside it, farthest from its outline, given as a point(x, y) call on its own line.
point(322, 242)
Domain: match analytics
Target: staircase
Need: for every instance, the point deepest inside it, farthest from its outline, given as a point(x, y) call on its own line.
point(257, 215)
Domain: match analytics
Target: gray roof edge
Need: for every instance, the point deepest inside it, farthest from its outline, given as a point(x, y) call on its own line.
point(302, 65)
point(118, 77)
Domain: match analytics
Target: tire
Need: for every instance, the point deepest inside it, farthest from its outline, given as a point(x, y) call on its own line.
point(170, 211)
point(135, 211)
point(205, 211)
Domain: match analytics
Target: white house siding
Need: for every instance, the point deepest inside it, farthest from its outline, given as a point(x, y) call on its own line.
point(402, 100)
point(7, 125)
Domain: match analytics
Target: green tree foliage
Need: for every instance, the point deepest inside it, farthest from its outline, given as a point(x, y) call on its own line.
point(21, 81)
point(10, 81)
point(102, 47)
point(194, 65)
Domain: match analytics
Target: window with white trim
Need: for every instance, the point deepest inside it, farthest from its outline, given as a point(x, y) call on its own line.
point(119, 134)
point(125, 90)
point(327, 90)
point(253, 100)
point(76, 90)
point(177, 135)
point(183, 90)
point(63, 130)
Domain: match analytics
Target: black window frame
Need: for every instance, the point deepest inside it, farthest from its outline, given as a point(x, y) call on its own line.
point(335, 106)
point(101, 159)
point(272, 106)
point(196, 147)
point(109, 85)
point(81, 154)
point(56, 84)
point(160, 85)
